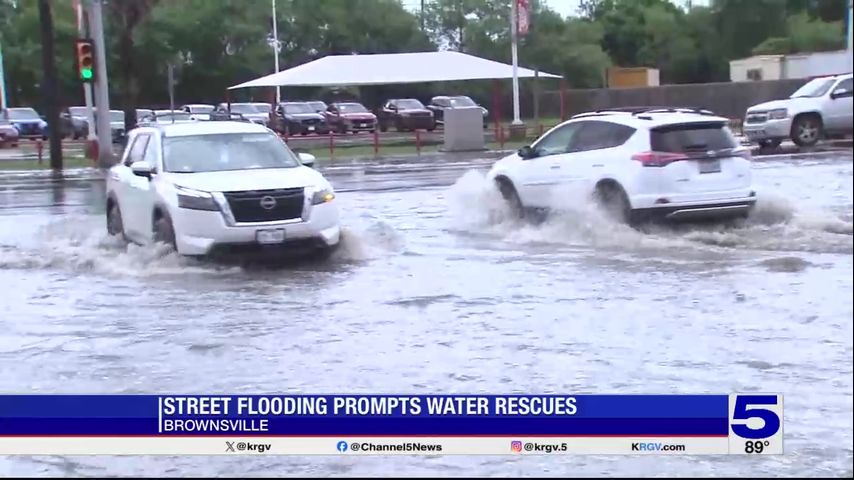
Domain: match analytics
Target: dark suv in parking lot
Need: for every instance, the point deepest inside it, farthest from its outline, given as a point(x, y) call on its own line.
point(406, 114)
point(440, 103)
point(294, 118)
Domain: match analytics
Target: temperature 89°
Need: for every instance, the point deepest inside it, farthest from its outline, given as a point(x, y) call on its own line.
point(756, 446)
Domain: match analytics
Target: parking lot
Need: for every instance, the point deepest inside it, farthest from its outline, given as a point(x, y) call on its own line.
point(436, 289)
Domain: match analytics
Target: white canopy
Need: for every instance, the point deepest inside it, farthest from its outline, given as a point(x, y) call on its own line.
point(388, 68)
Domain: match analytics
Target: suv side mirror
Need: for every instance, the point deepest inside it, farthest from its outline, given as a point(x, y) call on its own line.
point(141, 169)
point(840, 92)
point(306, 159)
point(527, 152)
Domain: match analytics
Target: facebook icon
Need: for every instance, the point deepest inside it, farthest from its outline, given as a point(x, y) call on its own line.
point(342, 446)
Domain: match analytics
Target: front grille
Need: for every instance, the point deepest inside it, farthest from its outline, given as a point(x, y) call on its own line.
point(246, 206)
point(28, 129)
point(311, 121)
point(420, 114)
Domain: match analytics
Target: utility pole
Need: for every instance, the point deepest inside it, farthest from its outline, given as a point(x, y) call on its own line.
point(276, 51)
point(850, 27)
point(422, 15)
point(102, 93)
point(49, 86)
point(514, 39)
point(3, 103)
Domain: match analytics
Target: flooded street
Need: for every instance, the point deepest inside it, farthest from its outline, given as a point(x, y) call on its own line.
point(437, 290)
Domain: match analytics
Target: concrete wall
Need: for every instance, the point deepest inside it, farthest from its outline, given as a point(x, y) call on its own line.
point(727, 99)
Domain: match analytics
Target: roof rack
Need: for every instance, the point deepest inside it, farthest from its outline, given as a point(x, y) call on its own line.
point(635, 111)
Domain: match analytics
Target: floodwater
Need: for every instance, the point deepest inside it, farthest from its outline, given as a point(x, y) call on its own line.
point(437, 290)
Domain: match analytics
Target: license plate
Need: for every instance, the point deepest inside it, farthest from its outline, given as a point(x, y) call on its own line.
point(710, 166)
point(267, 237)
point(310, 129)
point(363, 124)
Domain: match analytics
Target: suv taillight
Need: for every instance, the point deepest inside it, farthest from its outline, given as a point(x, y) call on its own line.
point(658, 159)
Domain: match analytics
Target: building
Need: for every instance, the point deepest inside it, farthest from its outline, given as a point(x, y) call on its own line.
point(782, 67)
point(632, 77)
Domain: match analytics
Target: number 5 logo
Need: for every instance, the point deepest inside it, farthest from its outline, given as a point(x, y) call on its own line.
point(754, 406)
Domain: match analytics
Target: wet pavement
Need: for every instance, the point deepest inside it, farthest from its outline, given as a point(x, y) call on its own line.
point(437, 290)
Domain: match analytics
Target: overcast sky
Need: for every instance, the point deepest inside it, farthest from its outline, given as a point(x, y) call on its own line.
point(570, 7)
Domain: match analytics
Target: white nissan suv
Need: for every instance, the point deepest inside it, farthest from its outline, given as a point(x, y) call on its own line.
point(219, 187)
point(638, 163)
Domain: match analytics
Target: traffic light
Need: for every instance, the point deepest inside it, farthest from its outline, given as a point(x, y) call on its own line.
point(85, 60)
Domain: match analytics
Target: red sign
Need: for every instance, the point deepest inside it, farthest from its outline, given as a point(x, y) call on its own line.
point(523, 16)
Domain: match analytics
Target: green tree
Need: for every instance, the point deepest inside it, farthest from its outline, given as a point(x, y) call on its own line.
point(804, 34)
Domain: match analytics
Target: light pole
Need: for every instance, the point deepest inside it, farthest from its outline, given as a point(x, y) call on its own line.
point(2, 82)
point(276, 47)
point(514, 36)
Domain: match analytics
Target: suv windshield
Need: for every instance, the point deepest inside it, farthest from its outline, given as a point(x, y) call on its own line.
point(318, 106)
point(352, 108)
point(409, 104)
point(814, 88)
point(117, 116)
point(243, 108)
point(692, 137)
point(225, 152)
point(462, 101)
point(169, 117)
point(298, 108)
point(23, 114)
point(77, 111)
point(201, 108)
point(264, 107)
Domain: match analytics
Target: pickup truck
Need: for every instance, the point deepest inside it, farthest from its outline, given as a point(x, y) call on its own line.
point(822, 107)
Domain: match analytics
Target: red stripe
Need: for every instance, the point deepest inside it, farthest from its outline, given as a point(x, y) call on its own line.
point(226, 434)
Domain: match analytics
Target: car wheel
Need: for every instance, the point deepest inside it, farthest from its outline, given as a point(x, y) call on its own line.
point(612, 199)
point(806, 130)
point(164, 232)
point(342, 129)
point(115, 226)
point(508, 192)
point(770, 143)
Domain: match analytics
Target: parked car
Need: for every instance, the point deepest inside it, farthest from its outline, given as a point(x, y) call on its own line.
point(8, 134)
point(406, 114)
point(117, 125)
point(823, 106)
point(318, 106)
point(247, 110)
point(673, 164)
point(199, 111)
point(74, 123)
point(350, 117)
point(209, 187)
point(295, 118)
point(26, 120)
point(263, 107)
point(440, 103)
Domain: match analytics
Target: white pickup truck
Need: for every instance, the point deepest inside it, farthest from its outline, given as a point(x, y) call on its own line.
point(821, 107)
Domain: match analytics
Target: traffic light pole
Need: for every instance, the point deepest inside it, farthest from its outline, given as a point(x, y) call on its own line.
point(102, 95)
point(49, 83)
point(83, 32)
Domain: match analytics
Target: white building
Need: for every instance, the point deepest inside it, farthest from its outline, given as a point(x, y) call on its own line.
point(779, 67)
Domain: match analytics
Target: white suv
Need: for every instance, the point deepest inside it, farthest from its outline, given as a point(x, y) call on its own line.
point(822, 106)
point(639, 163)
point(219, 187)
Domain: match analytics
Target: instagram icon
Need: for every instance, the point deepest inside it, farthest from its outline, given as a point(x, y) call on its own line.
point(516, 446)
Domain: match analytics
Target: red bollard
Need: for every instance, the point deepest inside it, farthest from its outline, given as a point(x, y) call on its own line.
point(331, 144)
point(542, 129)
point(418, 141)
point(92, 150)
point(501, 136)
point(39, 149)
point(376, 143)
point(285, 134)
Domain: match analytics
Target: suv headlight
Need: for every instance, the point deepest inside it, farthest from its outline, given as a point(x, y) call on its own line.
point(324, 195)
point(778, 113)
point(195, 199)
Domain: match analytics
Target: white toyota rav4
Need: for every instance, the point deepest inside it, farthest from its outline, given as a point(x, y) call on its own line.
point(219, 187)
point(639, 163)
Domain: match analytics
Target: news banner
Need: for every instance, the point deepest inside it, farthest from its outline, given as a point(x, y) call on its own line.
point(750, 424)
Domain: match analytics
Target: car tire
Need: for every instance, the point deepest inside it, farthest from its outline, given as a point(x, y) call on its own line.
point(770, 143)
point(164, 232)
point(115, 225)
point(807, 130)
point(508, 192)
point(614, 202)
